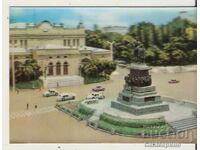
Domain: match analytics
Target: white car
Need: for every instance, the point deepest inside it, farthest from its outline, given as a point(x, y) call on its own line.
point(66, 96)
point(50, 92)
point(94, 96)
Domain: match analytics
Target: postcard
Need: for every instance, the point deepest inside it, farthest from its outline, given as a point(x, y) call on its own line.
point(79, 75)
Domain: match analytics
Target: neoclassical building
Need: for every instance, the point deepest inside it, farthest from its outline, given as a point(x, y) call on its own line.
point(58, 50)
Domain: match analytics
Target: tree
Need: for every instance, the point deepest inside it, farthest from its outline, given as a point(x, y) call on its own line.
point(95, 68)
point(178, 57)
point(27, 71)
point(162, 42)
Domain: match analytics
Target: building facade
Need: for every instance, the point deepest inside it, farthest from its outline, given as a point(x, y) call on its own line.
point(58, 50)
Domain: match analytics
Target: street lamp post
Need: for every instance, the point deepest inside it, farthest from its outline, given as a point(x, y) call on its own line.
point(111, 48)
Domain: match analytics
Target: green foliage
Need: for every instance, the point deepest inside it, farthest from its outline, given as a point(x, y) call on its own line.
point(95, 69)
point(136, 123)
point(82, 112)
point(169, 44)
point(34, 84)
point(140, 131)
point(27, 71)
point(162, 43)
point(62, 108)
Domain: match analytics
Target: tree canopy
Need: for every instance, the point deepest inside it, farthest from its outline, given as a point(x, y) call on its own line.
point(27, 71)
point(174, 43)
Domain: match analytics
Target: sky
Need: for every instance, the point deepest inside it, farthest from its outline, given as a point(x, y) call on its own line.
point(102, 16)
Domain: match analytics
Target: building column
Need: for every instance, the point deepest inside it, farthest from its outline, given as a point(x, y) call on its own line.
point(54, 70)
point(62, 71)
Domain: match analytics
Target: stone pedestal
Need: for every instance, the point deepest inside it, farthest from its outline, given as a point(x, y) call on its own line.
point(138, 95)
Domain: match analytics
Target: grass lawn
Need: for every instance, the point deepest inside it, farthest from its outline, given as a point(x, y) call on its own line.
point(35, 84)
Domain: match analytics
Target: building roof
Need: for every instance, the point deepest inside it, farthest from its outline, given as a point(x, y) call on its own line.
point(43, 28)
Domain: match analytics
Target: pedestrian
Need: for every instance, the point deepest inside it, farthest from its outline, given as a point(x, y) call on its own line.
point(35, 106)
point(27, 105)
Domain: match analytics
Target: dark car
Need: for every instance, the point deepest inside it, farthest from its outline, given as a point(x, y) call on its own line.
point(98, 89)
point(173, 81)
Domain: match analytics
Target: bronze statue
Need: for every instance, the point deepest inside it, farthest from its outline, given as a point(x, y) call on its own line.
point(138, 52)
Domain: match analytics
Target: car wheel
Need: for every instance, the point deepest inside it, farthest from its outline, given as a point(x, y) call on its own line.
point(56, 94)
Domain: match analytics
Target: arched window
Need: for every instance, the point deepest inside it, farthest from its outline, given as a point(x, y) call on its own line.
point(50, 69)
point(65, 68)
point(58, 68)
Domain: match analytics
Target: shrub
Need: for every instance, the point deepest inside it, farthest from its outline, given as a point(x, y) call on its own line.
point(137, 123)
point(30, 84)
point(82, 112)
point(159, 130)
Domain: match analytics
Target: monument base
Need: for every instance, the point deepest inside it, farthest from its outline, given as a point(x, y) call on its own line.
point(140, 110)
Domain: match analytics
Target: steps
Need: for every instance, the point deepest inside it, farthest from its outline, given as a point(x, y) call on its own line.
point(184, 124)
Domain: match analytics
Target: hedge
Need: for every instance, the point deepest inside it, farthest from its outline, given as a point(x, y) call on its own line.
point(63, 109)
point(159, 130)
point(82, 112)
point(136, 123)
point(35, 84)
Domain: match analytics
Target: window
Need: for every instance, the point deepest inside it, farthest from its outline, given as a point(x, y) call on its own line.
point(15, 42)
point(58, 68)
point(58, 57)
point(10, 41)
point(64, 43)
point(69, 42)
point(65, 56)
point(50, 57)
point(50, 69)
point(77, 42)
point(65, 68)
point(21, 43)
point(25, 43)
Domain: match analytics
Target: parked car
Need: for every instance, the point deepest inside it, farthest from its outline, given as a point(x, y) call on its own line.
point(50, 92)
point(95, 96)
point(173, 81)
point(98, 89)
point(65, 97)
